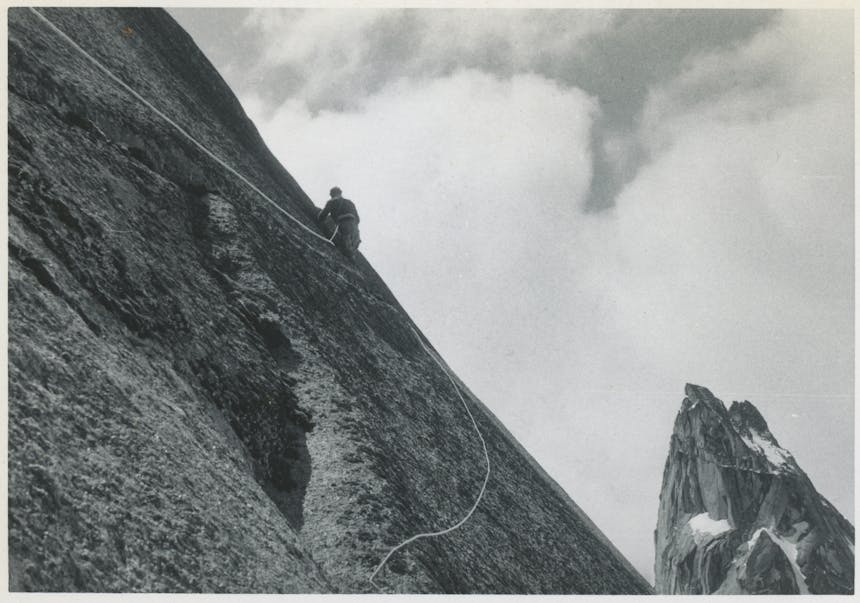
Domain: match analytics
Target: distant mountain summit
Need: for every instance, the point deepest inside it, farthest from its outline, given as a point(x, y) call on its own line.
point(738, 515)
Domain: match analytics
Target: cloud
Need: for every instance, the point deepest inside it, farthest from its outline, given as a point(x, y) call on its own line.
point(343, 56)
point(777, 69)
point(735, 244)
point(334, 59)
point(456, 158)
point(739, 231)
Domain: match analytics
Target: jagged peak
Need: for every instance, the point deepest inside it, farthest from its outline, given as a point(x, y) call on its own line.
point(741, 421)
point(696, 394)
point(737, 513)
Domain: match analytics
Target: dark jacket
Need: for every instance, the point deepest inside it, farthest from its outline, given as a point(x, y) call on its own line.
point(339, 209)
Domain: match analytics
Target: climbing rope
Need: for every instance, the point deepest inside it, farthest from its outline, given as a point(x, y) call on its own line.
point(483, 486)
point(176, 126)
point(227, 167)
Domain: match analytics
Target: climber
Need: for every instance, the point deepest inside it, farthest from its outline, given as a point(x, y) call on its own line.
point(345, 215)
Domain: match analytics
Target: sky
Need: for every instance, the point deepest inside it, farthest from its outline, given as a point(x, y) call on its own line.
point(584, 210)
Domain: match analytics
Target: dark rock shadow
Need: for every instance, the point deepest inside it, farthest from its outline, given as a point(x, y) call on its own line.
point(274, 436)
point(287, 481)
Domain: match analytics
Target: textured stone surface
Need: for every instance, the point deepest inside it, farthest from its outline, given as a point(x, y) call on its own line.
point(737, 514)
point(205, 398)
point(766, 570)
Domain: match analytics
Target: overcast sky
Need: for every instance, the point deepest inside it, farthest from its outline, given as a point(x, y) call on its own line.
point(584, 210)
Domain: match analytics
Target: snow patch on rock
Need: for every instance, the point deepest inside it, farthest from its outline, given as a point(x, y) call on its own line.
point(776, 455)
point(705, 528)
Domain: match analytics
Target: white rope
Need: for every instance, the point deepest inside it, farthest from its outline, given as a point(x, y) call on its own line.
point(329, 241)
point(173, 123)
point(486, 477)
point(191, 138)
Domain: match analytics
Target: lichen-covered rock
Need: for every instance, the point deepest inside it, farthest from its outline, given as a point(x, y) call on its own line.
point(203, 397)
point(737, 514)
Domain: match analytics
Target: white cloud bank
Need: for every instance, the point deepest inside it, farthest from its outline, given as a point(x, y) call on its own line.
point(456, 180)
point(340, 56)
point(739, 234)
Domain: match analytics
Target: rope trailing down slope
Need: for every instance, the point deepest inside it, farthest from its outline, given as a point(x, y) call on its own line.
point(176, 126)
point(486, 477)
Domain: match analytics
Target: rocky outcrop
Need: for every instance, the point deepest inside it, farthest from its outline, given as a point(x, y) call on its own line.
point(203, 397)
point(737, 514)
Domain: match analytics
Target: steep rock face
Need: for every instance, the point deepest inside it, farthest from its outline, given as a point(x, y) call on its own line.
point(737, 514)
point(203, 396)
